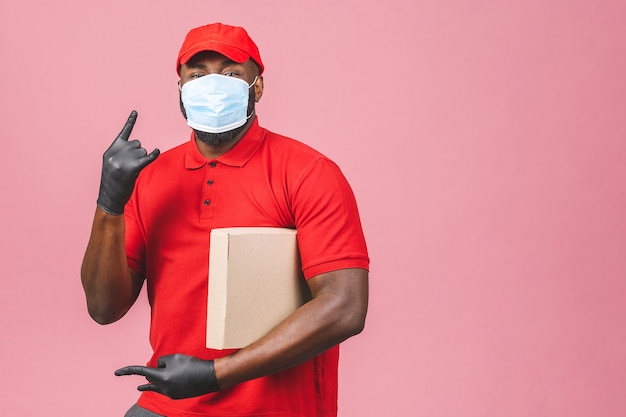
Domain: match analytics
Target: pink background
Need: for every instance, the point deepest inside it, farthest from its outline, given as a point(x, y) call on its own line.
point(485, 142)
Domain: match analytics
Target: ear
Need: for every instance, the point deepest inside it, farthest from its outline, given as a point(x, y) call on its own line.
point(258, 88)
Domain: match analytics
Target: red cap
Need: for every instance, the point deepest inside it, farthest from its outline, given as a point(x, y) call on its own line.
point(230, 41)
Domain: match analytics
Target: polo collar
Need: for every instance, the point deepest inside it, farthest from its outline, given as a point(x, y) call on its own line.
point(237, 156)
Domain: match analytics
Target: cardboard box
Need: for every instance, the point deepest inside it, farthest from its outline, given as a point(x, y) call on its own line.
point(255, 282)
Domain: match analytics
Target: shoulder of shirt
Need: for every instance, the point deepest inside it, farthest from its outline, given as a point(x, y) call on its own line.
point(288, 145)
point(292, 149)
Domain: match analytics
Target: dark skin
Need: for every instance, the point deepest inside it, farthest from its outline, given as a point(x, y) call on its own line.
point(206, 63)
point(336, 311)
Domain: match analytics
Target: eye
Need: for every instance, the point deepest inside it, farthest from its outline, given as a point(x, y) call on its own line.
point(231, 74)
point(196, 75)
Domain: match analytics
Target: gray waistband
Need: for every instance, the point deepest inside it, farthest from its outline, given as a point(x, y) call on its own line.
point(136, 411)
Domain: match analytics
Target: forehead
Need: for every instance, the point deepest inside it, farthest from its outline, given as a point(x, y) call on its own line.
point(216, 61)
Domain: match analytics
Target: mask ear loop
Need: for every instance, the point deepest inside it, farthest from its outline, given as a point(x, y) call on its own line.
point(248, 116)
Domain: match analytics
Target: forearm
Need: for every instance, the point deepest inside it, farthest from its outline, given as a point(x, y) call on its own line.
point(110, 290)
point(291, 343)
point(327, 320)
point(336, 312)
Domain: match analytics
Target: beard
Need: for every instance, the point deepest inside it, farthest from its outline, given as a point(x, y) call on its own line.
point(218, 139)
point(222, 138)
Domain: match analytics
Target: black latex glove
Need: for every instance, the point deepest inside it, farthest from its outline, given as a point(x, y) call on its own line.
point(177, 376)
point(121, 164)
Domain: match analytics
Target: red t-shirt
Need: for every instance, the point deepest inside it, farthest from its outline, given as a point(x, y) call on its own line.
point(265, 180)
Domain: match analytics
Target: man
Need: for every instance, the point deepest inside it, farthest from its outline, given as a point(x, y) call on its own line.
point(153, 221)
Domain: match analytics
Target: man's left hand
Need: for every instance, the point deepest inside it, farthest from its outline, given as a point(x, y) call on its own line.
point(177, 376)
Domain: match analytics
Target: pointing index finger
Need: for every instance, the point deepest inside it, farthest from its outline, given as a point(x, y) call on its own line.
point(128, 127)
point(131, 370)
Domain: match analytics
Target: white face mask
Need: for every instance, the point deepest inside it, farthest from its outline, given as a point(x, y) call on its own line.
point(216, 103)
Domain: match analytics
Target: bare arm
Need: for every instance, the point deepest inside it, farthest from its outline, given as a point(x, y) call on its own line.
point(110, 286)
point(336, 312)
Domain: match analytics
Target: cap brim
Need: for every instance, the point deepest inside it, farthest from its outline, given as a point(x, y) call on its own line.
point(228, 51)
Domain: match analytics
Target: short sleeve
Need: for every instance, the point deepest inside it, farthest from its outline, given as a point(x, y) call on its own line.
point(330, 235)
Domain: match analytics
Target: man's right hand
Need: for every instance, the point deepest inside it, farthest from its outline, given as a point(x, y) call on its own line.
point(121, 165)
